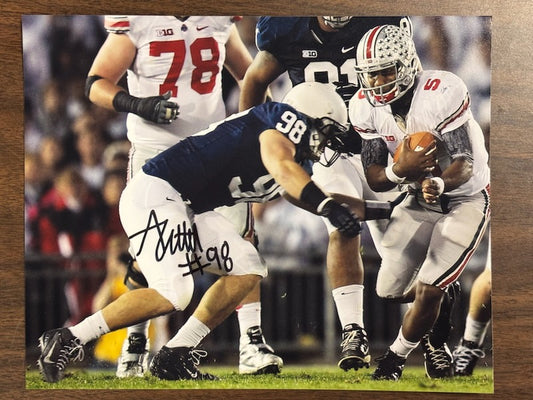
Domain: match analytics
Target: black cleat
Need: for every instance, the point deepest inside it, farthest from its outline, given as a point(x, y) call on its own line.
point(438, 361)
point(465, 357)
point(442, 327)
point(390, 367)
point(58, 348)
point(179, 363)
point(354, 348)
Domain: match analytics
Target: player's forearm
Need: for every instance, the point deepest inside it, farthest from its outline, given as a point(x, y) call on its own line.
point(291, 177)
point(261, 73)
point(458, 173)
point(377, 179)
point(253, 92)
point(365, 210)
point(102, 92)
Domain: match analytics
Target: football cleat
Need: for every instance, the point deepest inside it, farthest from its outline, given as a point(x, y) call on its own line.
point(465, 357)
point(438, 361)
point(133, 360)
point(354, 348)
point(390, 366)
point(58, 348)
point(255, 356)
point(179, 363)
point(440, 332)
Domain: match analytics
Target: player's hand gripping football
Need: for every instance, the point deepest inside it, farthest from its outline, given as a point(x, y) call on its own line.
point(414, 164)
point(341, 218)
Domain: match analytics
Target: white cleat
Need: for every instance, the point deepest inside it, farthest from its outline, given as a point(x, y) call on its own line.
point(255, 356)
point(133, 360)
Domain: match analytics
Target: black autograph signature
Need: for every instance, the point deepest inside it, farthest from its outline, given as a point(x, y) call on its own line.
point(213, 255)
point(184, 239)
point(180, 239)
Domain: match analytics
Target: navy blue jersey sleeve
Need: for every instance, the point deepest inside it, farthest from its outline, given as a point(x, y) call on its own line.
point(270, 30)
point(289, 122)
point(283, 118)
point(270, 113)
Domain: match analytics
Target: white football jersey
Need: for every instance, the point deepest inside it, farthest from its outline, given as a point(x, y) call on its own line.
point(185, 57)
point(440, 103)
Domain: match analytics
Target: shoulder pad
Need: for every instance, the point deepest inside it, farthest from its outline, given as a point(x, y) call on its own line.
point(455, 106)
point(360, 116)
point(117, 23)
point(271, 29)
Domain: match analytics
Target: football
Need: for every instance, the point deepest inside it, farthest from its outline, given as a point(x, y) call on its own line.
point(418, 141)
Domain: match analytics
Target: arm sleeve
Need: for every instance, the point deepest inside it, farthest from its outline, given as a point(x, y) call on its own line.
point(117, 23)
point(374, 151)
point(458, 143)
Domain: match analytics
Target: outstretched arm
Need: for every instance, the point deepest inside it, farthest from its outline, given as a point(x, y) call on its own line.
point(277, 154)
point(112, 61)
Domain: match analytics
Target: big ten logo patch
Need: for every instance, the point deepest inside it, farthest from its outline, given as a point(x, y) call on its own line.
point(309, 53)
point(164, 32)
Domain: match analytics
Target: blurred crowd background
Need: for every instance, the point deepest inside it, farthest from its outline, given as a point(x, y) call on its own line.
point(76, 156)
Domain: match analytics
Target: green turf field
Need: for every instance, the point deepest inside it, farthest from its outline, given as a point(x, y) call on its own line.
point(315, 377)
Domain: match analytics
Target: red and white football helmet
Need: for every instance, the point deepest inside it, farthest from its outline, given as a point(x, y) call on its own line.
point(381, 48)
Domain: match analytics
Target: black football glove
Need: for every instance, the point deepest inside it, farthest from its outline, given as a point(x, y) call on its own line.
point(155, 108)
point(341, 218)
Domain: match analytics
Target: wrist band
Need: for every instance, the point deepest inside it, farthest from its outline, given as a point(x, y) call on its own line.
point(313, 196)
point(391, 176)
point(440, 183)
point(123, 102)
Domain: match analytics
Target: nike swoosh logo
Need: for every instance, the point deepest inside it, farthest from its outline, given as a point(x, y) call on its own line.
point(193, 375)
point(169, 199)
point(47, 358)
point(201, 28)
point(346, 49)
